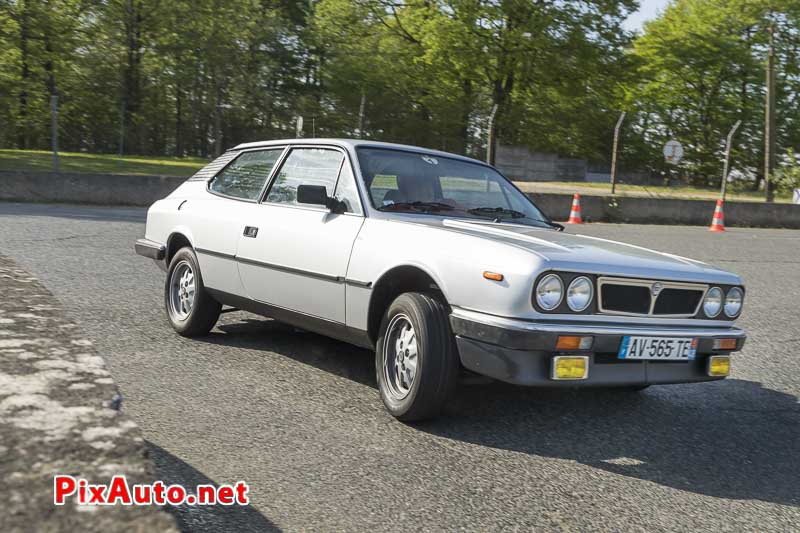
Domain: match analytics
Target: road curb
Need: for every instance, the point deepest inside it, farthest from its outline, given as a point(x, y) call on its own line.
point(60, 414)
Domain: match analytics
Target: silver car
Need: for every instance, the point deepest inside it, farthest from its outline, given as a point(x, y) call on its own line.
point(439, 264)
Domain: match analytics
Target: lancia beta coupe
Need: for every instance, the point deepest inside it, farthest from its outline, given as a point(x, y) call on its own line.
point(440, 265)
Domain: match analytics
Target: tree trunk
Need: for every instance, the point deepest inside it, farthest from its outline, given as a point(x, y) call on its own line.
point(24, 34)
point(132, 74)
point(178, 120)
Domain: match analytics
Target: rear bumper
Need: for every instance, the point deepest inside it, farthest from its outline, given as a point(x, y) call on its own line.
point(521, 352)
point(151, 249)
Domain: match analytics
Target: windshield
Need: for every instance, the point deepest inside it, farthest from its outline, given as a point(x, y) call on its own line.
point(412, 182)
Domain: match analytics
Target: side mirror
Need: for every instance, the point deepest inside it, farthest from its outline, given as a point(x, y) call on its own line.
point(312, 194)
point(318, 195)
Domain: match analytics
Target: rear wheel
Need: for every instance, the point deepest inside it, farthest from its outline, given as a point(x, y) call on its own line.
point(190, 309)
point(415, 359)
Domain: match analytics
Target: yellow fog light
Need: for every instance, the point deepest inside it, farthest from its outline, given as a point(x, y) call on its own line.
point(719, 365)
point(570, 367)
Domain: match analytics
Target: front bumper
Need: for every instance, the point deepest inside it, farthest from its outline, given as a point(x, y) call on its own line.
point(521, 351)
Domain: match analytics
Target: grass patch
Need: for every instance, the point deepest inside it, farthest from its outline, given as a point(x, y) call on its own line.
point(685, 192)
point(42, 161)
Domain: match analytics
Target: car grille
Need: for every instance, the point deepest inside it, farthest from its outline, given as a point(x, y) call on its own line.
point(634, 297)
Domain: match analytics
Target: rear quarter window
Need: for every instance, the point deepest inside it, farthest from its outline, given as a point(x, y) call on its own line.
point(246, 175)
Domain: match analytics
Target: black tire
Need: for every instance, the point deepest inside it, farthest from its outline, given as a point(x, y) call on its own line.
point(437, 364)
point(204, 310)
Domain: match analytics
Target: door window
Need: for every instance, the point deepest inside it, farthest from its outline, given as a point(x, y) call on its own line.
point(246, 175)
point(305, 166)
point(347, 192)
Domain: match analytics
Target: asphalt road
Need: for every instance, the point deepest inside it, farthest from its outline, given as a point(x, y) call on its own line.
point(298, 416)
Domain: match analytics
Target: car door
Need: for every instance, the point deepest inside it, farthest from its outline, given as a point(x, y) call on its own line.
point(297, 257)
point(216, 218)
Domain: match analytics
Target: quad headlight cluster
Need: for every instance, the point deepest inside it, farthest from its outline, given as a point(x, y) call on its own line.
point(716, 301)
point(565, 293)
point(550, 293)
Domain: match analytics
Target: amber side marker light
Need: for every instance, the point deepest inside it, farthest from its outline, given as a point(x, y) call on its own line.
point(494, 276)
point(569, 342)
point(724, 344)
point(566, 367)
point(719, 365)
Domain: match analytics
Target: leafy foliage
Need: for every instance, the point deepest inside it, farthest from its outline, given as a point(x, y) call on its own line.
point(193, 77)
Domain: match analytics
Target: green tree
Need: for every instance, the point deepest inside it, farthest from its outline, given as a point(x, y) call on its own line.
point(702, 68)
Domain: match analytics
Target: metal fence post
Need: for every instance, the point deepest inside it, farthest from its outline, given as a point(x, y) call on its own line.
point(614, 153)
point(727, 158)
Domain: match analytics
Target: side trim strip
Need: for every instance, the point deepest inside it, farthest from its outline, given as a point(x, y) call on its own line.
point(215, 254)
point(290, 270)
point(357, 283)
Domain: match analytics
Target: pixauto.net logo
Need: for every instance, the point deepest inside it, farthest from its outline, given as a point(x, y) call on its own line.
point(119, 492)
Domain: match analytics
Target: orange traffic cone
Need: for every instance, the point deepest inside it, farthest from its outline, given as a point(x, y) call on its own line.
point(575, 213)
point(718, 222)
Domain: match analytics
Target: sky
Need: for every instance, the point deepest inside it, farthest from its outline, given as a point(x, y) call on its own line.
point(648, 10)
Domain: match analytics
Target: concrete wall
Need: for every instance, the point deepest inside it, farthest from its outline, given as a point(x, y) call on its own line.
point(669, 211)
point(520, 164)
point(144, 190)
point(116, 189)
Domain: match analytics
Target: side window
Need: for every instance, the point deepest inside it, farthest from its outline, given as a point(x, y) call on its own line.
point(346, 190)
point(245, 176)
point(305, 166)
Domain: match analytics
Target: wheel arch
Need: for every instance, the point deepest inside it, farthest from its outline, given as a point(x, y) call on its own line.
point(178, 239)
point(394, 282)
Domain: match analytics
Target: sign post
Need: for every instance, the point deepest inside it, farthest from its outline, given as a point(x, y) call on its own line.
point(673, 152)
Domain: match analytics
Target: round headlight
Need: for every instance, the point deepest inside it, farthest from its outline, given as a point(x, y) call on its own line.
point(579, 294)
point(712, 304)
point(733, 302)
point(549, 292)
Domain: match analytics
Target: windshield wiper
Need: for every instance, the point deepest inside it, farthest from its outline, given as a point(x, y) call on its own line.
point(497, 213)
point(417, 206)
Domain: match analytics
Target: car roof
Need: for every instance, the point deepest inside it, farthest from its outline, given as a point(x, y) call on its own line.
point(356, 143)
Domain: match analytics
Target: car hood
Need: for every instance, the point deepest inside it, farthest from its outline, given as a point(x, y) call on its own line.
point(561, 250)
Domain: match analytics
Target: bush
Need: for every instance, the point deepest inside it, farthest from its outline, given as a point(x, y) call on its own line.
point(787, 177)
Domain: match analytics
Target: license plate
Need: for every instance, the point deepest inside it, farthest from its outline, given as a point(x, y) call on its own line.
point(658, 348)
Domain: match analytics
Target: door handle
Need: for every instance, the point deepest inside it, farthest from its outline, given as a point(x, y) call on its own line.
point(250, 231)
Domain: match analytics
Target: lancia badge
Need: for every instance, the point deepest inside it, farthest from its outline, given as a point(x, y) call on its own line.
point(656, 289)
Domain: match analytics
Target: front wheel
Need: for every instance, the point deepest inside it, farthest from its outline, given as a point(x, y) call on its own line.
point(415, 359)
point(190, 309)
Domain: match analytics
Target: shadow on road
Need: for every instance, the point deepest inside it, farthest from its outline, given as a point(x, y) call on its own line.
point(327, 354)
point(730, 439)
point(212, 518)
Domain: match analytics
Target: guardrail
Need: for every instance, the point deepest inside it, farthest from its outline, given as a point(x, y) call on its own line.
point(115, 189)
